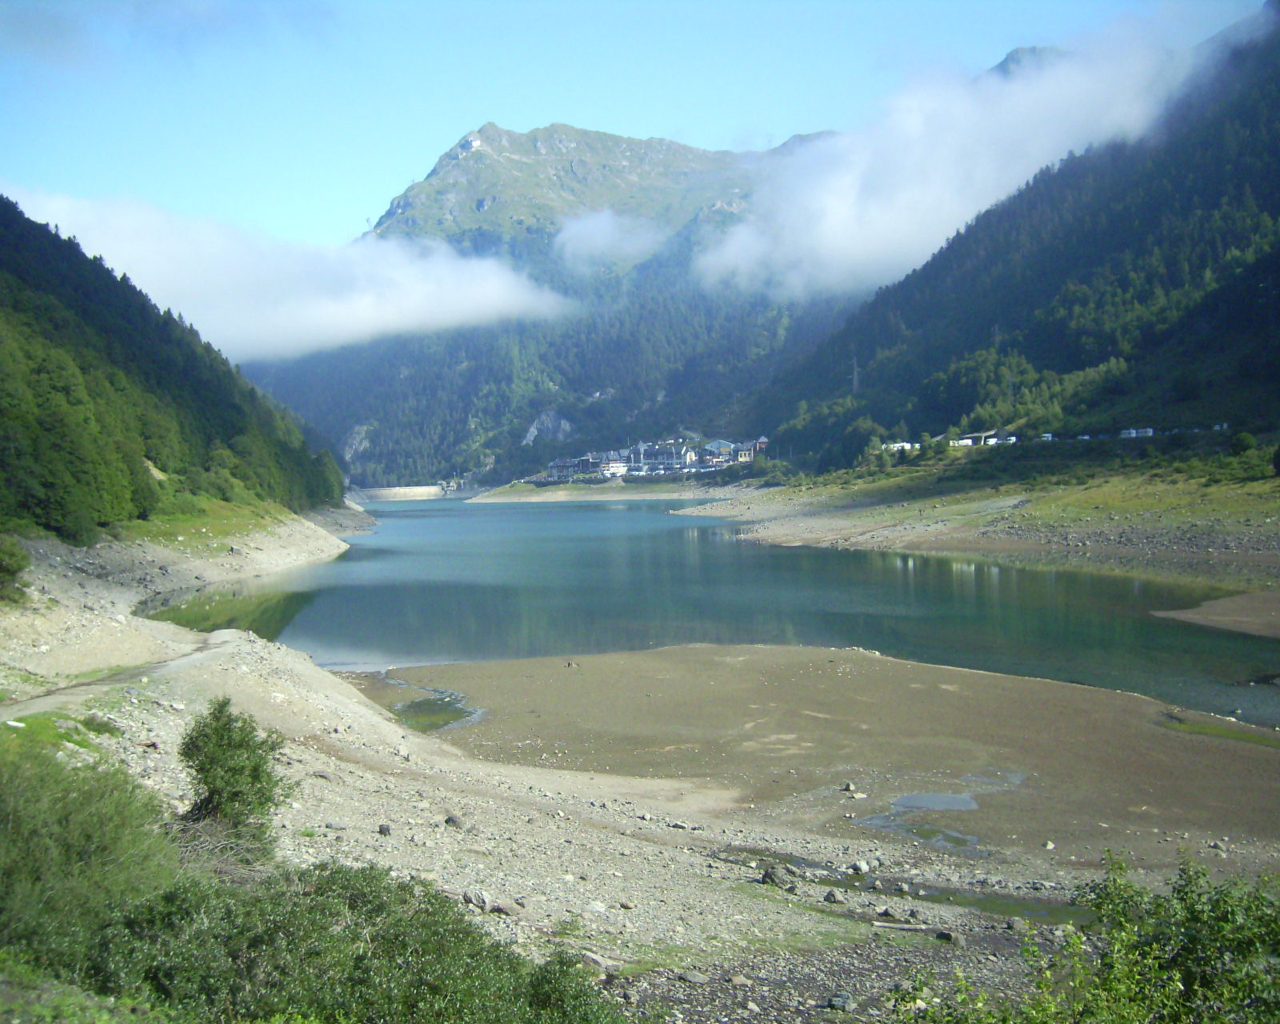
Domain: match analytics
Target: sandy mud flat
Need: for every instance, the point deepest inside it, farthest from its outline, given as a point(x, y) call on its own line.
point(824, 740)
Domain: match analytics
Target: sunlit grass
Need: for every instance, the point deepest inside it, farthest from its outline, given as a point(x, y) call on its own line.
point(204, 522)
point(1223, 731)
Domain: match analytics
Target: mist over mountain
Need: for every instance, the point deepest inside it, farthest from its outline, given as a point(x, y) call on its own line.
point(702, 291)
point(1135, 284)
point(643, 347)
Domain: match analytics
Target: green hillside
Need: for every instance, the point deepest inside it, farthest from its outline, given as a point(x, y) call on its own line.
point(1133, 285)
point(109, 408)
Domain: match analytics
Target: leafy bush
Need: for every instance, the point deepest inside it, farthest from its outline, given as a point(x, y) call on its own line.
point(335, 943)
point(1242, 442)
point(75, 844)
point(92, 895)
point(1201, 953)
point(29, 995)
point(13, 559)
point(236, 779)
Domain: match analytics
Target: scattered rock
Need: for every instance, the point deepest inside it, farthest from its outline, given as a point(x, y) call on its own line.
point(479, 899)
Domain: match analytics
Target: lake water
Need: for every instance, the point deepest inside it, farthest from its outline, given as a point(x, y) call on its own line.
point(444, 581)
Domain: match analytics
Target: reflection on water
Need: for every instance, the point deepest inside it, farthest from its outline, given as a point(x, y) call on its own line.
point(449, 582)
point(233, 606)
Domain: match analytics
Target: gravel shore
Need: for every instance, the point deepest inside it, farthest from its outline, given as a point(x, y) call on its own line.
point(652, 868)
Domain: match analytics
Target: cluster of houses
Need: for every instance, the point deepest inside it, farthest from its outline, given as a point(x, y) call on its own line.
point(646, 459)
point(680, 456)
point(965, 441)
point(1000, 437)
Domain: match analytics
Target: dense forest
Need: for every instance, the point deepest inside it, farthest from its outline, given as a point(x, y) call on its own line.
point(110, 407)
point(1132, 285)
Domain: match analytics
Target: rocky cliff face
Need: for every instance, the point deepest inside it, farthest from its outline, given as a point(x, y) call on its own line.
point(550, 426)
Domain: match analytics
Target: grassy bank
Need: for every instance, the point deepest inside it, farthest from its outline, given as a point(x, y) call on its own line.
point(199, 522)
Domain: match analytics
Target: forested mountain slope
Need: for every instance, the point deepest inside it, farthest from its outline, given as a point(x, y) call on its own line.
point(650, 350)
point(1133, 285)
point(109, 406)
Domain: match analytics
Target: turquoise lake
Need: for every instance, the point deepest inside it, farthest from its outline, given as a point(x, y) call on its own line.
point(445, 581)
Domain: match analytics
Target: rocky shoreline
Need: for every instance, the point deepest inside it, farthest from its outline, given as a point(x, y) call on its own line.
point(674, 890)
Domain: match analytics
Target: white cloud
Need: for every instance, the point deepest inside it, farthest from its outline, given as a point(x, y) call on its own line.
point(594, 239)
point(853, 211)
point(256, 297)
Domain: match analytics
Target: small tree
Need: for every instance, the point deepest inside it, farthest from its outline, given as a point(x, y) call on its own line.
point(237, 781)
point(1275, 460)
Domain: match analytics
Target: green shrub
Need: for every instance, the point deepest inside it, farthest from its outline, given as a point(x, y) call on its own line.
point(334, 943)
point(236, 779)
point(1201, 954)
point(1242, 442)
point(29, 995)
point(76, 843)
point(13, 559)
point(92, 895)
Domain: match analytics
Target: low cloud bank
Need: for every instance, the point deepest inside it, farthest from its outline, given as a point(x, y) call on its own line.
point(595, 239)
point(847, 212)
point(261, 298)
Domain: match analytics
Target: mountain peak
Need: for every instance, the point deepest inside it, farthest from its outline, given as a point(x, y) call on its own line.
point(515, 183)
point(1023, 59)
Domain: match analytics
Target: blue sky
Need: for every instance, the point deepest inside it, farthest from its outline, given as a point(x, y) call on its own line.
point(295, 122)
point(304, 119)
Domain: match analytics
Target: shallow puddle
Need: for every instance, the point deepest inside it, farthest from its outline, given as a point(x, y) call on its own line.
point(904, 817)
point(422, 708)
